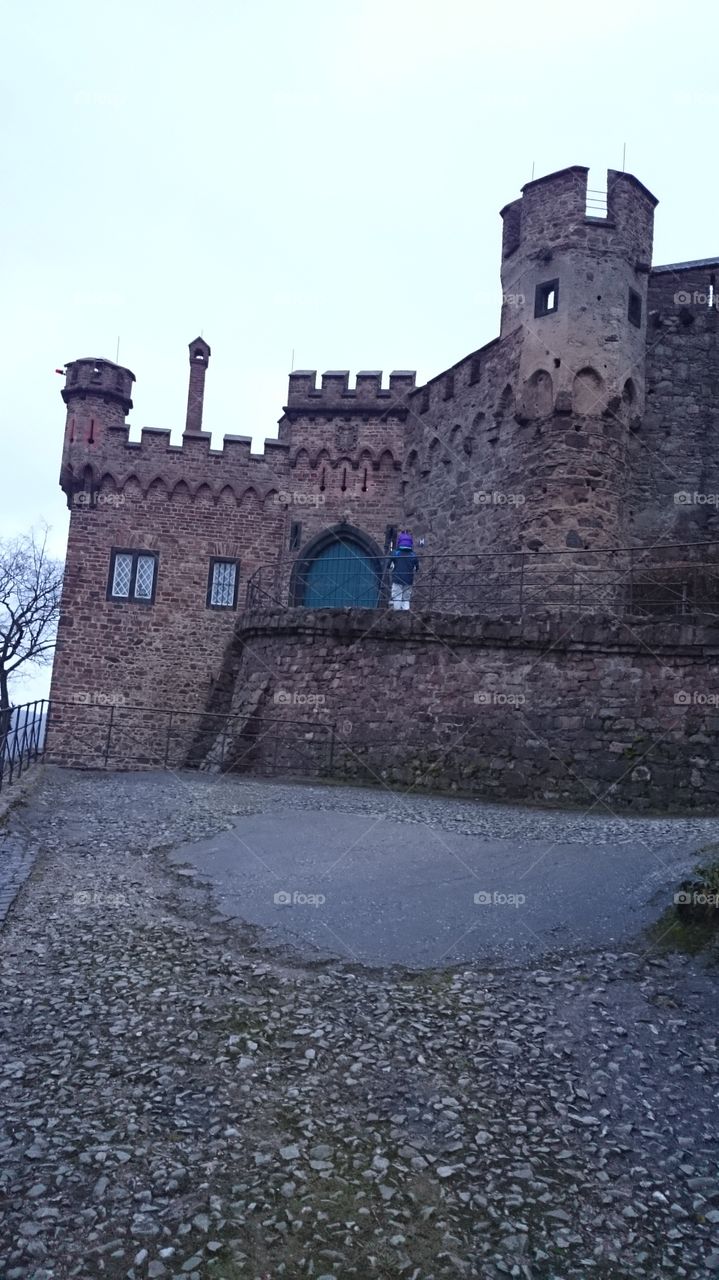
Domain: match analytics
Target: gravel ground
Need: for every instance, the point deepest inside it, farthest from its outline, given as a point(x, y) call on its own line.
point(176, 1100)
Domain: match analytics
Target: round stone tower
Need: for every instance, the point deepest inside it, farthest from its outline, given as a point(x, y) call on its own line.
point(98, 397)
point(574, 308)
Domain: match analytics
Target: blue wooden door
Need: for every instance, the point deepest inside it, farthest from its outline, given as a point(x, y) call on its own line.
point(340, 577)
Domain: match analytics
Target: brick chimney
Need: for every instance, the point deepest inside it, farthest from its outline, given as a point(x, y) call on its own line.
point(199, 357)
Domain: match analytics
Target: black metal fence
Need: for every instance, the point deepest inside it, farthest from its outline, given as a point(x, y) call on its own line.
point(123, 735)
point(22, 738)
point(667, 580)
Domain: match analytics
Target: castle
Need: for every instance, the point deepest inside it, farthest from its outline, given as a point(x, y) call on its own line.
point(589, 423)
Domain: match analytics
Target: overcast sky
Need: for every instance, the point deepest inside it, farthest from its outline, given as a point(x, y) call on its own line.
point(322, 178)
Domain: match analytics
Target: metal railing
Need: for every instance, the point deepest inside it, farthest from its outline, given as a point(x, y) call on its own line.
point(671, 580)
point(125, 735)
point(22, 738)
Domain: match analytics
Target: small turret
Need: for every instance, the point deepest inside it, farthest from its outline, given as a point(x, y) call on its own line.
point(98, 395)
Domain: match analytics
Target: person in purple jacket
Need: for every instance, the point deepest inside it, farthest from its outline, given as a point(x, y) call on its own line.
point(404, 566)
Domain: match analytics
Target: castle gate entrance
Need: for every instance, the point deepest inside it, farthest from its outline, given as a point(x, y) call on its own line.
point(342, 575)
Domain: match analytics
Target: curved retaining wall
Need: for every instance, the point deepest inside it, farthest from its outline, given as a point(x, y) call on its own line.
point(602, 713)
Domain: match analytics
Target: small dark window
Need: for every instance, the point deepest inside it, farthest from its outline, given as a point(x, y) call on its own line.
point(546, 298)
point(635, 308)
point(449, 386)
point(390, 537)
point(475, 370)
point(222, 584)
point(424, 401)
point(133, 576)
point(295, 535)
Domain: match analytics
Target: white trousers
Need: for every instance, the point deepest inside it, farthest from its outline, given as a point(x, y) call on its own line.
point(401, 594)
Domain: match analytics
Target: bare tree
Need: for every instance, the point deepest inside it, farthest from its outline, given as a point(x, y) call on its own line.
point(30, 585)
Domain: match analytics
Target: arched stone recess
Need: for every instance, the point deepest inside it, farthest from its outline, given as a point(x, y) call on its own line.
point(386, 461)
point(503, 410)
point(322, 459)
point(157, 490)
point(205, 495)
point(250, 497)
point(301, 460)
point(537, 395)
point(132, 489)
point(108, 483)
point(181, 492)
point(588, 392)
point(455, 439)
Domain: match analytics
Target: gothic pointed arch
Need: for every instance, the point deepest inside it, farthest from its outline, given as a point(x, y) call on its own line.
point(340, 568)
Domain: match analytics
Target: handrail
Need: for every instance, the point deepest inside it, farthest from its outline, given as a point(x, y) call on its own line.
point(22, 738)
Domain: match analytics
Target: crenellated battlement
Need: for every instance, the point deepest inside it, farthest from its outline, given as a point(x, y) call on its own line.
point(335, 395)
point(552, 212)
point(97, 377)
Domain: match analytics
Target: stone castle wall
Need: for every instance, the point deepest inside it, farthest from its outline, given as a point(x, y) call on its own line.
point(556, 710)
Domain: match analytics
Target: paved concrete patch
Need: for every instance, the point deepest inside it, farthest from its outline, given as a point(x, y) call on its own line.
point(371, 888)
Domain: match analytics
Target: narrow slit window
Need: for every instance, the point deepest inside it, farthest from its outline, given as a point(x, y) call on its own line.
point(635, 308)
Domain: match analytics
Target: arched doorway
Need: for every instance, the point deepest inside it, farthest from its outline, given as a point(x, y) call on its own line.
point(339, 570)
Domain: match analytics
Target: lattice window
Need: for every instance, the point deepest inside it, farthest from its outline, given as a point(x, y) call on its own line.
point(133, 576)
point(122, 576)
point(222, 587)
point(144, 577)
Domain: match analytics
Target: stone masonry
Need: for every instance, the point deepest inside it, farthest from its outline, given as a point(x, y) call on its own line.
point(589, 423)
